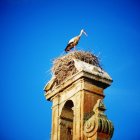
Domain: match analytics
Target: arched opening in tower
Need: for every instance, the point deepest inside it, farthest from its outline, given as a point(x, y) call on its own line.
point(66, 121)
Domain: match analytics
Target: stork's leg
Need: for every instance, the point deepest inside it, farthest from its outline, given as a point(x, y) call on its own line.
point(74, 48)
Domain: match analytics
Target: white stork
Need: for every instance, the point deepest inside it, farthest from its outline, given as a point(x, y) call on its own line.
point(74, 41)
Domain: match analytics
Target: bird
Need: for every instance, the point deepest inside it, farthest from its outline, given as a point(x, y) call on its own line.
point(74, 41)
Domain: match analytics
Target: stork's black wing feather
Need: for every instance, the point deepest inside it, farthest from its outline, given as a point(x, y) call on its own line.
point(69, 47)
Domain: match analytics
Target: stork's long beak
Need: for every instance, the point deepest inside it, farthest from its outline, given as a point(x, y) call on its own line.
point(85, 33)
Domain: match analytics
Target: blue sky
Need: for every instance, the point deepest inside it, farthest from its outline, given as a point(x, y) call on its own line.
point(34, 32)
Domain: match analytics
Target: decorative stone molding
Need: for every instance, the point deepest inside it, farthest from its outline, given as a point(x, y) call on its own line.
point(98, 123)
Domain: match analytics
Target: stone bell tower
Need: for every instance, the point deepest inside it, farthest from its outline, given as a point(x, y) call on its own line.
point(77, 91)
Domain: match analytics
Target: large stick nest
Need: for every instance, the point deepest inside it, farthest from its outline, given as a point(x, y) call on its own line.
point(64, 66)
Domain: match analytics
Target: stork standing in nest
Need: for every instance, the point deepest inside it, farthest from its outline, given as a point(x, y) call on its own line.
point(74, 41)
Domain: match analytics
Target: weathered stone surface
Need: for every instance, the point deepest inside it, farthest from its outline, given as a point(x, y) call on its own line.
point(73, 103)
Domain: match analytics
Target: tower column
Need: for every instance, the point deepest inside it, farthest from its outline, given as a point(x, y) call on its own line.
point(78, 109)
